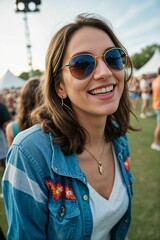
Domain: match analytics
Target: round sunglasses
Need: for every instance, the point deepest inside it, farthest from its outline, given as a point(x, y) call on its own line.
point(83, 65)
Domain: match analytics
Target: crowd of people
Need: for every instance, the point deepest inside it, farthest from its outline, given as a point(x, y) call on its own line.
point(72, 162)
point(141, 88)
point(15, 108)
point(147, 88)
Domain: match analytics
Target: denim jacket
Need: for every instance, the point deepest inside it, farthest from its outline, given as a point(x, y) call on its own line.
point(46, 194)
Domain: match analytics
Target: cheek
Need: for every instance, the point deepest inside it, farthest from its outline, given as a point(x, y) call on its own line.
point(120, 77)
point(74, 86)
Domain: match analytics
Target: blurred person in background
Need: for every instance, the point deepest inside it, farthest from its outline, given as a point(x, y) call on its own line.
point(5, 118)
point(2, 98)
point(156, 106)
point(146, 96)
point(30, 97)
point(11, 105)
point(68, 176)
point(134, 91)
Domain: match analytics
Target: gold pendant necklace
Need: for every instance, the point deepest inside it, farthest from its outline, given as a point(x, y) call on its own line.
point(100, 166)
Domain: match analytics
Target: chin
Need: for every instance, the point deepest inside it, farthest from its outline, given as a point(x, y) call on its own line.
point(111, 109)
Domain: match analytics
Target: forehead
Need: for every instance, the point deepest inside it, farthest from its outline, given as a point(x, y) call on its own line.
point(88, 39)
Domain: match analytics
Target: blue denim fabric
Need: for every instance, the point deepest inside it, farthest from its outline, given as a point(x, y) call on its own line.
point(35, 206)
point(157, 111)
point(3, 145)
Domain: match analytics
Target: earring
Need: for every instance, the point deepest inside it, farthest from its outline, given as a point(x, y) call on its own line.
point(62, 102)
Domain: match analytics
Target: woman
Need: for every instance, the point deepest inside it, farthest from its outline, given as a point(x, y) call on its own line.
point(30, 97)
point(5, 118)
point(134, 93)
point(10, 103)
point(145, 88)
point(68, 177)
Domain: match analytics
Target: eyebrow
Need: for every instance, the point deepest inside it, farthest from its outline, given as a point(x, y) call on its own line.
point(79, 53)
point(85, 52)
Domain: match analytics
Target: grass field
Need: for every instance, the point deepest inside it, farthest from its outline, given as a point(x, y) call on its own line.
point(145, 168)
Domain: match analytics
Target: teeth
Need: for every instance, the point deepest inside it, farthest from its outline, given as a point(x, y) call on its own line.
point(102, 90)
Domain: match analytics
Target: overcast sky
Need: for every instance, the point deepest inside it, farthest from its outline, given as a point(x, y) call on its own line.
point(136, 23)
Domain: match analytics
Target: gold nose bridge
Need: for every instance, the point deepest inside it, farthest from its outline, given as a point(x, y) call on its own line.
point(101, 56)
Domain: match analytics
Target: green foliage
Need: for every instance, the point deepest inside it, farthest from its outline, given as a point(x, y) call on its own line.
point(139, 59)
point(26, 75)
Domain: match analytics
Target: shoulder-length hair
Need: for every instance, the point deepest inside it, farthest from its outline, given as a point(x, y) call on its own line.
point(30, 97)
point(61, 121)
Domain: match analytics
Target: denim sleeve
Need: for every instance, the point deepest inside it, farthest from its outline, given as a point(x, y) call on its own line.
point(25, 197)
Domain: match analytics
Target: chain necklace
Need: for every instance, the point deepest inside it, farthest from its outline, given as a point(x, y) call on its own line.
point(100, 166)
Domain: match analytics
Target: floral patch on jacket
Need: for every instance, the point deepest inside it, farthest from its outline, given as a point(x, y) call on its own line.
point(127, 163)
point(59, 190)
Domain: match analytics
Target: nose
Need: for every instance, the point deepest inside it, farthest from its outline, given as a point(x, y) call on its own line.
point(102, 71)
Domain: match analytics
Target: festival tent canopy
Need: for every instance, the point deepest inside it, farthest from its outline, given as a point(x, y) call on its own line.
point(151, 66)
point(9, 80)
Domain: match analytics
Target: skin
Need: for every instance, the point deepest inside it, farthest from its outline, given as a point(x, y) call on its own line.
point(9, 134)
point(92, 110)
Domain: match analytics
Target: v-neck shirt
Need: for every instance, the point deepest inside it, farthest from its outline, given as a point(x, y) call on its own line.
point(107, 212)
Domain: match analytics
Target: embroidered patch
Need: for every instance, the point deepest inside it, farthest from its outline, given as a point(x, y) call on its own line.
point(127, 164)
point(59, 190)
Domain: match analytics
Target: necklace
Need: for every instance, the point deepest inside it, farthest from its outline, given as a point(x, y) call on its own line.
point(100, 166)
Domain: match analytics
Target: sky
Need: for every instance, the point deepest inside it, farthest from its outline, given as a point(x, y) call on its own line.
point(135, 22)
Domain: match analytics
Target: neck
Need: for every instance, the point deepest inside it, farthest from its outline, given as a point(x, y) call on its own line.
point(96, 135)
point(96, 142)
point(94, 125)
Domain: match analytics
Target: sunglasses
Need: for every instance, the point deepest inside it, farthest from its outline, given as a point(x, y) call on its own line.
point(83, 65)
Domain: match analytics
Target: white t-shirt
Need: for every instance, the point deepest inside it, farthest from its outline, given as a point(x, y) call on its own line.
point(144, 84)
point(106, 213)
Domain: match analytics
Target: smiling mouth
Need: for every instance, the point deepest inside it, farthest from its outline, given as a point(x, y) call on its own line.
point(103, 90)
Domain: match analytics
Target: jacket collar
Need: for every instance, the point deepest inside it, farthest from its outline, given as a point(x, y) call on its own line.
point(68, 165)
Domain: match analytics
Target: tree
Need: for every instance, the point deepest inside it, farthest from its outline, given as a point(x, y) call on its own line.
point(139, 59)
point(25, 75)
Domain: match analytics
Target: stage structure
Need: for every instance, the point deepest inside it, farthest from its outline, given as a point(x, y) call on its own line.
point(27, 6)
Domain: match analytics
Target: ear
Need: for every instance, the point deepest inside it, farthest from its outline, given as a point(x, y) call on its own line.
point(60, 89)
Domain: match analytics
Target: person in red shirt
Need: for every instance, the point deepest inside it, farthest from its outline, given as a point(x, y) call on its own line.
point(156, 106)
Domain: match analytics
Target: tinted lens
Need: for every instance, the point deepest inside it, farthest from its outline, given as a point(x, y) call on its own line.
point(81, 66)
point(115, 58)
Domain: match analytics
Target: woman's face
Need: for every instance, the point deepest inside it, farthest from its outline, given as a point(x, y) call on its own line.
point(98, 94)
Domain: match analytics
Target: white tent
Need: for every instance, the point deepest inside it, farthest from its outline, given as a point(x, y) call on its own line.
point(9, 80)
point(151, 66)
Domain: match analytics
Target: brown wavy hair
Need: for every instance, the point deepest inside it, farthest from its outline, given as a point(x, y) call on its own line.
point(30, 97)
point(61, 121)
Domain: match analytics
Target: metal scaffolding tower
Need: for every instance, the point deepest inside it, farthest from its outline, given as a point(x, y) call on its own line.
point(28, 45)
point(27, 6)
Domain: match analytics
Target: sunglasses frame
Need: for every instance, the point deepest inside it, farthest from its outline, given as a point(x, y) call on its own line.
point(95, 64)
